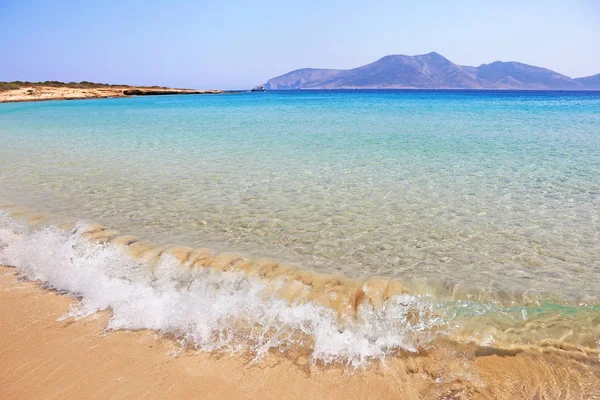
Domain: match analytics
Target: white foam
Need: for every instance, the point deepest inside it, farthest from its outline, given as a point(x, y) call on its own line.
point(210, 310)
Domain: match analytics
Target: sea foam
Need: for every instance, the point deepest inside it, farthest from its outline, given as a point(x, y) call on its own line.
point(209, 309)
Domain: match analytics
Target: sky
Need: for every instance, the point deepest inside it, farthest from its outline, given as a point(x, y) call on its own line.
point(224, 44)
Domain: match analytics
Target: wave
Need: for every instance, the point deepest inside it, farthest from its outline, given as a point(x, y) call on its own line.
point(208, 308)
point(234, 304)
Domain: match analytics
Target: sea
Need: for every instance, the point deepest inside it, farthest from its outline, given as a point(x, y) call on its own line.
point(356, 223)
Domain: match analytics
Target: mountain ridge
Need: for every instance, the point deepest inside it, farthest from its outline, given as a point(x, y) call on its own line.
point(431, 71)
point(592, 82)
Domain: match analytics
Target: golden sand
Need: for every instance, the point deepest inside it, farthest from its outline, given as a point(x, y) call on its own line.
point(41, 357)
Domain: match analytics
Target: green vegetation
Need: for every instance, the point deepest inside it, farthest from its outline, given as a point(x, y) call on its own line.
point(9, 86)
point(4, 86)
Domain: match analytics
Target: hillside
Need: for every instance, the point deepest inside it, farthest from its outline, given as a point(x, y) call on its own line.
point(590, 82)
point(430, 71)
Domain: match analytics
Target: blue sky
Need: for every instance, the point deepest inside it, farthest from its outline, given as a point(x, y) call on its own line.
point(239, 44)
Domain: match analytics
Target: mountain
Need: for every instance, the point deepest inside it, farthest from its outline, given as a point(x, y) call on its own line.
point(425, 71)
point(590, 82)
point(430, 71)
point(301, 78)
point(515, 75)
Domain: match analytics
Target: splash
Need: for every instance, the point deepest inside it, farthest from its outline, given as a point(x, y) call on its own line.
point(231, 303)
point(209, 308)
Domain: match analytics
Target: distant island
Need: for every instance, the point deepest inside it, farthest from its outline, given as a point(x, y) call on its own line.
point(431, 71)
point(18, 91)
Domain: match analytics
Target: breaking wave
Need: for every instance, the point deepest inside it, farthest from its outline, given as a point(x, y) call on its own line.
point(210, 308)
point(234, 304)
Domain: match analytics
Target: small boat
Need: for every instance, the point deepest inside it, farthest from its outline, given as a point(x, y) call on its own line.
point(260, 88)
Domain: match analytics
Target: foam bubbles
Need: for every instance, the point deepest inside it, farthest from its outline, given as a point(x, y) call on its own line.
point(209, 309)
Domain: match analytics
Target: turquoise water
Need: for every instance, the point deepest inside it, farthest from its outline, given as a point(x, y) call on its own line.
point(480, 195)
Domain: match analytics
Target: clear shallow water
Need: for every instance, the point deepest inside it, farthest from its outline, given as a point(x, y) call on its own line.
point(488, 194)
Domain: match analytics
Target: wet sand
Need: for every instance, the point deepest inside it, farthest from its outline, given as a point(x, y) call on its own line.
point(41, 357)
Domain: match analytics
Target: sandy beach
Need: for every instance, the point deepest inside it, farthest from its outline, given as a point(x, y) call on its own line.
point(45, 357)
point(40, 93)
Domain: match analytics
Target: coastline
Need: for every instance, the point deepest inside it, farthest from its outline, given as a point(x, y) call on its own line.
point(82, 357)
point(76, 359)
point(48, 93)
point(43, 357)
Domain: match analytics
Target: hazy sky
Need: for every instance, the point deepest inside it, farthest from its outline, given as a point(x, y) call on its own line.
point(240, 44)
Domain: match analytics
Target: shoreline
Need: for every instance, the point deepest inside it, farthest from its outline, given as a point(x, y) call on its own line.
point(350, 299)
point(49, 93)
point(43, 356)
point(82, 357)
point(335, 290)
point(76, 359)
